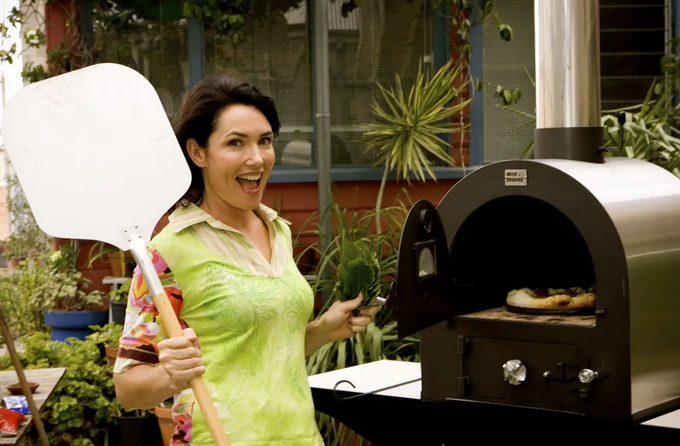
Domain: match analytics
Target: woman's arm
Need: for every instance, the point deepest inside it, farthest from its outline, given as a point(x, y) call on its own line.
point(315, 337)
point(145, 386)
point(150, 366)
point(338, 323)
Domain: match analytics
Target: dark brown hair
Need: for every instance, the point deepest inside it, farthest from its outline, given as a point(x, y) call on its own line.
point(198, 115)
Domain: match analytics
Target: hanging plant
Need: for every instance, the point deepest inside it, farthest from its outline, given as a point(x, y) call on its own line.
point(225, 16)
point(462, 11)
point(230, 16)
point(82, 40)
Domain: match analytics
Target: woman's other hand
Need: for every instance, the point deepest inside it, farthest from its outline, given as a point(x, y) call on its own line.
point(339, 322)
point(181, 359)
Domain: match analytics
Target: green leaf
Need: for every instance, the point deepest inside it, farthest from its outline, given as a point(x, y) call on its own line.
point(506, 32)
point(487, 7)
point(342, 354)
point(357, 272)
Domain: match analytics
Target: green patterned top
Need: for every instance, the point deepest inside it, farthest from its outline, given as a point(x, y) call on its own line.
point(251, 322)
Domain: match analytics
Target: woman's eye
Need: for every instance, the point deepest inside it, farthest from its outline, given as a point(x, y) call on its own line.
point(234, 143)
point(265, 141)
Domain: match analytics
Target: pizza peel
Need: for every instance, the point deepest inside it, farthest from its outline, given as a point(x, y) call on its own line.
point(97, 159)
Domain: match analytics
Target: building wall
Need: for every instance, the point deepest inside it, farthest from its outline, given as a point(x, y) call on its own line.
point(378, 40)
point(298, 203)
point(11, 84)
point(633, 35)
point(4, 218)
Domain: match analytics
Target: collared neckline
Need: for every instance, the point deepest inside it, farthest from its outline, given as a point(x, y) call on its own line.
point(186, 216)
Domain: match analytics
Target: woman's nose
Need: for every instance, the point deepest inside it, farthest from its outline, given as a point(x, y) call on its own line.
point(255, 157)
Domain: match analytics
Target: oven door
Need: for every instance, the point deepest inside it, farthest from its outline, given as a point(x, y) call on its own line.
point(421, 294)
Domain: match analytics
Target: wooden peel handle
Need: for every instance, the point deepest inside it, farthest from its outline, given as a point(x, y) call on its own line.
point(174, 329)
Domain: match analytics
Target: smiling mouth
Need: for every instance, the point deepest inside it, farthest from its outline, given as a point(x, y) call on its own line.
point(250, 183)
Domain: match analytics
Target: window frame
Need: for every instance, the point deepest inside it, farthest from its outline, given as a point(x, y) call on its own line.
point(441, 32)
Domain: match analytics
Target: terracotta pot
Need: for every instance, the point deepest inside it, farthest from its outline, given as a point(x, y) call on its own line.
point(111, 353)
point(165, 423)
point(15, 389)
point(120, 262)
point(13, 262)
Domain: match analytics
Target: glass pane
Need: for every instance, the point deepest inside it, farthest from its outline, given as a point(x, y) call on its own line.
point(507, 134)
point(275, 56)
point(374, 42)
point(153, 42)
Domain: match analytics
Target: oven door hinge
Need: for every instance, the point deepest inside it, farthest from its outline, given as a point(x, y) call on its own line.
point(462, 345)
point(463, 379)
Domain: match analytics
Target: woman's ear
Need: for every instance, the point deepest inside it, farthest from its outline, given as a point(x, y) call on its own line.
point(196, 153)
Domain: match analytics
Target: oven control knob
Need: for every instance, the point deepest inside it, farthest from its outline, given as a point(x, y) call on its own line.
point(586, 376)
point(515, 372)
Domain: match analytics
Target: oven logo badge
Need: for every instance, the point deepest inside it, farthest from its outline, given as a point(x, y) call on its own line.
point(516, 177)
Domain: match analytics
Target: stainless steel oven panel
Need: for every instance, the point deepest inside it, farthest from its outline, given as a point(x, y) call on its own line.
point(643, 201)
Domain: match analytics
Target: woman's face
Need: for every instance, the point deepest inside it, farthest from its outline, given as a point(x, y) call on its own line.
point(239, 158)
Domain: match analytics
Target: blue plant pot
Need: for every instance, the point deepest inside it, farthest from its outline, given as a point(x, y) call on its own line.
point(74, 324)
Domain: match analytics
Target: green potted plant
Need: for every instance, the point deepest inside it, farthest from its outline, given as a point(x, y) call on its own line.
point(16, 289)
point(68, 309)
point(81, 406)
point(407, 134)
point(107, 337)
point(122, 263)
point(379, 341)
point(26, 240)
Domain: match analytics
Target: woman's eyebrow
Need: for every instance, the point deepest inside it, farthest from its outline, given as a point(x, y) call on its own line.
point(234, 133)
point(243, 135)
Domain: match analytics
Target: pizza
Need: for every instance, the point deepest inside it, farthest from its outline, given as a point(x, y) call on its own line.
point(551, 298)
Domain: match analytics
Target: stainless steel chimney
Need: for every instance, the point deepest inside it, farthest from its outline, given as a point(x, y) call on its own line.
point(568, 80)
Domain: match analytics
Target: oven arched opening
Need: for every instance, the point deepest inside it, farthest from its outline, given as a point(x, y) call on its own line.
point(514, 242)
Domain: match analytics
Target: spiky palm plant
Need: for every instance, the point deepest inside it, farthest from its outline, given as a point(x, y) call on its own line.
point(379, 340)
point(408, 133)
point(651, 130)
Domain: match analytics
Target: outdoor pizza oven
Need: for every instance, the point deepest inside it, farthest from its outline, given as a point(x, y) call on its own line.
point(571, 217)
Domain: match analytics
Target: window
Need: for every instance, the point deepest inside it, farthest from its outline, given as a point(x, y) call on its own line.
point(632, 43)
point(507, 134)
point(154, 43)
point(373, 43)
point(632, 36)
point(369, 44)
point(275, 56)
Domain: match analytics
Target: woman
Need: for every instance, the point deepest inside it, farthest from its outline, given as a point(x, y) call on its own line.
point(226, 263)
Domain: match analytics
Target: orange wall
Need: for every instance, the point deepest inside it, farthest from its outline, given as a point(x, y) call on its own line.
point(297, 202)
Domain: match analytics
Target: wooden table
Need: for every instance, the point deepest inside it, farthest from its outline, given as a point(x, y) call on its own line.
point(46, 378)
